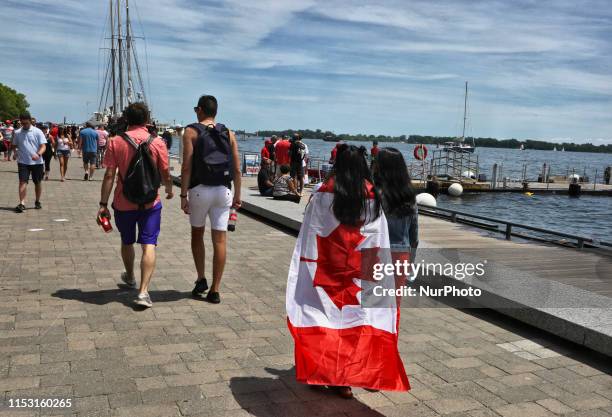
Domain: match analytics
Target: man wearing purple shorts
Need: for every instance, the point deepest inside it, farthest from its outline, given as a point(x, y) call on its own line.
point(128, 217)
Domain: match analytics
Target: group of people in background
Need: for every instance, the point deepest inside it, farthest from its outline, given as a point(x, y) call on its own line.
point(283, 171)
point(54, 140)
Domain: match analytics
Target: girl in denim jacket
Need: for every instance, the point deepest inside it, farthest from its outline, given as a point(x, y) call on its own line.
point(398, 197)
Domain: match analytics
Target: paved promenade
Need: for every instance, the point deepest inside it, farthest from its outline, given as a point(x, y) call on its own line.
point(68, 330)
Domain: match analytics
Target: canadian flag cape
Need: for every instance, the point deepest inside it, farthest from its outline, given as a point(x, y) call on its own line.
point(338, 341)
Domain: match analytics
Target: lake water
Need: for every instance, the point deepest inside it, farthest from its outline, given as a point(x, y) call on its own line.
point(589, 216)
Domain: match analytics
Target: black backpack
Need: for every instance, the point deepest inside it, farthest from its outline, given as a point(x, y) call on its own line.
point(212, 157)
point(142, 179)
point(297, 152)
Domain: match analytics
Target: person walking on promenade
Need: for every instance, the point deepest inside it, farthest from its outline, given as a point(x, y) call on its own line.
point(49, 149)
point(398, 197)
point(341, 340)
point(102, 140)
point(7, 136)
point(120, 159)
point(210, 164)
point(167, 138)
point(30, 144)
point(76, 139)
point(89, 149)
point(63, 148)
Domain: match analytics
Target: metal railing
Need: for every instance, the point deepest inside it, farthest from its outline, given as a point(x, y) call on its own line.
point(508, 228)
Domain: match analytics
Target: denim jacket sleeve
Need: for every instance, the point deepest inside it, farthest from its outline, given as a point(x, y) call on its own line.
point(403, 231)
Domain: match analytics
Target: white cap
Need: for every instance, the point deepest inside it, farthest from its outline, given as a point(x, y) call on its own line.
point(178, 126)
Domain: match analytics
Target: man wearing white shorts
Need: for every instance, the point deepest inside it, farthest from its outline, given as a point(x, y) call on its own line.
point(210, 165)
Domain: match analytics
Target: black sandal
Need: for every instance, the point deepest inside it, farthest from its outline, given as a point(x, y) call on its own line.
point(343, 392)
point(213, 297)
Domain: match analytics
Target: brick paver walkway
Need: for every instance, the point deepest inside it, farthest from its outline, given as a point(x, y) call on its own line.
point(67, 330)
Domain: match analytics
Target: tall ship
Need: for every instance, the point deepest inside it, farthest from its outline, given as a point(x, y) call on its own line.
point(122, 83)
point(459, 145)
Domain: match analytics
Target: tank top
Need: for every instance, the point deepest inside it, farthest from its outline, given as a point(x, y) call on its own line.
point(63, 144)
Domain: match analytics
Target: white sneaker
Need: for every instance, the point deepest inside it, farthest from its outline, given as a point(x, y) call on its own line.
point(129, 282)
point(144, 300)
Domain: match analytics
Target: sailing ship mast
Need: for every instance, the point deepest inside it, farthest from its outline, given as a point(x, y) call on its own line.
point(123, 82)
point(464, 111)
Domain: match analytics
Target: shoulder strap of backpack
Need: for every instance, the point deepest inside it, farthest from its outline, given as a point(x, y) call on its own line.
point(129, 140)
point(198, 127)
point(151, 139)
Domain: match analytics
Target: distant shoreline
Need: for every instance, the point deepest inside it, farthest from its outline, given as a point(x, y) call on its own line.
point(432, 140)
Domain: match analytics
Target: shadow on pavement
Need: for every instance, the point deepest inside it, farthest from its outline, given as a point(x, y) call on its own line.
point(124, 295)
point(282, 395)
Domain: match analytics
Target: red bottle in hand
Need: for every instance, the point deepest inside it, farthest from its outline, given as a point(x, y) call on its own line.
point(104, 221)
point(233, 217)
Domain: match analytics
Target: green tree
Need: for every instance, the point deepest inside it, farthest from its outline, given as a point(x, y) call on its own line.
point(12, 103)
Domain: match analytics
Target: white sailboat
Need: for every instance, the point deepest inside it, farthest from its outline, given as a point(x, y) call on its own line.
point(459, 145)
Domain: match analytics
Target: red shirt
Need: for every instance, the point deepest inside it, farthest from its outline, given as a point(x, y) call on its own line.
point(334, 152)
point(282, 152)
point(374, 151)
point(265, 153)
point(119, 154)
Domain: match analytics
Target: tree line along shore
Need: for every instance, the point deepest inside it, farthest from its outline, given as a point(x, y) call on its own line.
point(479, 142)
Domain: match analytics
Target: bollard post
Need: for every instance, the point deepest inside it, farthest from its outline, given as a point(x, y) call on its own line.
point(508, 231)
point(574, 189)
point(494, 177)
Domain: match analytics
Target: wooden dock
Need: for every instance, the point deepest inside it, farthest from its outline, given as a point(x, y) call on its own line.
point(472, 186)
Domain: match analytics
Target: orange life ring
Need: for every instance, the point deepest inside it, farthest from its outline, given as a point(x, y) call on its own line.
point(420, 152)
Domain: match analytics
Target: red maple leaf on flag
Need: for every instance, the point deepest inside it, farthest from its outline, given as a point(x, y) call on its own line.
point(339, 262)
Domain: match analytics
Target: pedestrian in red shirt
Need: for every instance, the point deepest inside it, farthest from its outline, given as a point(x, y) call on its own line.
point(128, 215)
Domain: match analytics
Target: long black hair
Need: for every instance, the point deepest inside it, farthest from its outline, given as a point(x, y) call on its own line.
point(351, 197)
point(393, 183)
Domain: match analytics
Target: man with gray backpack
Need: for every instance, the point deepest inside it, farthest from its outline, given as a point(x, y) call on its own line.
point(210, 165)
point(141, 161)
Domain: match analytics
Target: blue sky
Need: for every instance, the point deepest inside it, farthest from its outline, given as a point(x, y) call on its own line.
point(538, 69)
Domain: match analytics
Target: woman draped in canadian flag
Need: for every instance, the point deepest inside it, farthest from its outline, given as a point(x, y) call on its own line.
point(344, 335)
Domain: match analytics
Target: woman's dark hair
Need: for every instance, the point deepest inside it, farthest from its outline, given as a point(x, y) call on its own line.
point(393, 183)
point(351, 197)
point(136, 114)
point(167, 135)
point(62, 131)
